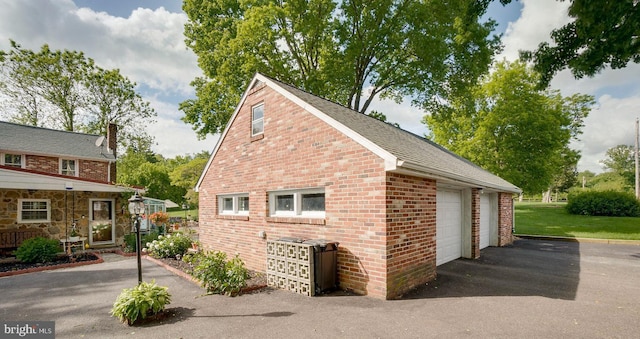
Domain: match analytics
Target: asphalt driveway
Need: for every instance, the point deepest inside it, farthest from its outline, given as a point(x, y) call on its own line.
point(533, 289)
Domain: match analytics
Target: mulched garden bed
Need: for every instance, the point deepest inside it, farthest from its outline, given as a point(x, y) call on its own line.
point(11, 266)
point(257, 280)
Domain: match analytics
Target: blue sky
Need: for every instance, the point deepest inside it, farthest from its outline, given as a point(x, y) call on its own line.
point(143, 38)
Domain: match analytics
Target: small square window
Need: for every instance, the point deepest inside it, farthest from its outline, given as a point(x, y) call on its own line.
point(34, 210)
point(257, 120)
point(313, 202)
point(284, 202)
point(233, 204)
point(243, 204)
point(68, 167)
point(13, 160)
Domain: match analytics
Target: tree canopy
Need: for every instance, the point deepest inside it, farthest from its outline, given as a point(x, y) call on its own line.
point(348, 51)
point(66, 90)
point(514, 130)
point(621, 160)
point(601, 34)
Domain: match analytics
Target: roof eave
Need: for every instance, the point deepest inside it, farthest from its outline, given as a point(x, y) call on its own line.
point(406, 167)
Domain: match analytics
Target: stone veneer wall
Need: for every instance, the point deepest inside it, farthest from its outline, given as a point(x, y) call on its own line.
point(61, 202)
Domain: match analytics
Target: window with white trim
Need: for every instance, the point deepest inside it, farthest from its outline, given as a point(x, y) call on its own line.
point(233, 204)
point(13, 160)
point(257, 120)
point(68, 167)
point(34, 210)
point(304, 203)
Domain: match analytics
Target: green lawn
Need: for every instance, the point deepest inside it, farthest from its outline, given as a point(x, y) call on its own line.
point(180, 213)
point(553, 219)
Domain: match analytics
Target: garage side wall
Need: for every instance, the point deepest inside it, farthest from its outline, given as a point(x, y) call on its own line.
point(505, 219)
point(411, 232)
point(298, 151)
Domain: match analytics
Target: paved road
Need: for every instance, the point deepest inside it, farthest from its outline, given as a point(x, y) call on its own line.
point(534, 289)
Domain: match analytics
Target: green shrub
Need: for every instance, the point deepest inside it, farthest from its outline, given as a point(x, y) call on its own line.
point(168, 246)
point(130, 240)
point(141, 301)
point(38, 249)
point(218, 275)
point(604, 203)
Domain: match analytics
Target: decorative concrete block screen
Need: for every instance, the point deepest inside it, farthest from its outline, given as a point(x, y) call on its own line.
point(290, 266)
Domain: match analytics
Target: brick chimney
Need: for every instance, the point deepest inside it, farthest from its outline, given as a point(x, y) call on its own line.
point(112, 143)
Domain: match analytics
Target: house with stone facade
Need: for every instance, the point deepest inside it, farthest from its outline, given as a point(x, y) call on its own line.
point(291, 164)
point(51, 181)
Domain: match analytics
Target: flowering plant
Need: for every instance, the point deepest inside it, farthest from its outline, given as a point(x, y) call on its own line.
point(159, 218)
point(168, 246)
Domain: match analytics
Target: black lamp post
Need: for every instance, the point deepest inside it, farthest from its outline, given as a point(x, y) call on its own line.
point(136, 206)
point(185, 207)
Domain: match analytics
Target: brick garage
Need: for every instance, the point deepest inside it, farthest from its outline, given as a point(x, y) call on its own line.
point(378, 197)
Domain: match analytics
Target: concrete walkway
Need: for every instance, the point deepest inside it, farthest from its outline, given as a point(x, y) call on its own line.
point(534, 289)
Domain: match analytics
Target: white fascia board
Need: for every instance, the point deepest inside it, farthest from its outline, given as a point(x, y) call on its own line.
point(32, 181)
point(390, 160)
point(420, 171)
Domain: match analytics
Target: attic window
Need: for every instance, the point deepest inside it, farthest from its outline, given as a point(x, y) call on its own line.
point(68, 167)
point(257, 120)
point(13, 160)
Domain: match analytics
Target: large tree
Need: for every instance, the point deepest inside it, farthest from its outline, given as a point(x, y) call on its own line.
point(621, 160)
point(511, 128)
point(349, 51)
point(601, 34)
point(66, 90)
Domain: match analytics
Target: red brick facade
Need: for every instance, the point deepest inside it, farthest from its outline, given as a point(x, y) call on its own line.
point(87, 169)
point(385, 222)
point(505, 219)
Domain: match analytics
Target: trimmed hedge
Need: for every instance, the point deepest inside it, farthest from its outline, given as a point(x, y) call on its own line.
point(604, 203)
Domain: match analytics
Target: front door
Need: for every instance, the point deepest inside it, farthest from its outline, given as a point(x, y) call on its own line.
point(101, 221)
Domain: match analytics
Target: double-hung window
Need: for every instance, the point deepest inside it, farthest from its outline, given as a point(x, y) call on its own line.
point(13, 160)
point(257, 120)
point(68, 167)
point(233, 204)
point(304, 203)
point(34, 210)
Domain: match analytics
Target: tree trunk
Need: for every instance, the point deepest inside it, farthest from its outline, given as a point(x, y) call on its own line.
point(546, 196)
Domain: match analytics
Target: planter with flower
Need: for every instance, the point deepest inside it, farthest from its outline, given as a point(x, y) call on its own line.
point(74, 235)
point(159, 219)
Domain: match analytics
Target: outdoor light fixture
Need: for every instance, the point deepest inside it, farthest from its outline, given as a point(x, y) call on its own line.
point(136, 207)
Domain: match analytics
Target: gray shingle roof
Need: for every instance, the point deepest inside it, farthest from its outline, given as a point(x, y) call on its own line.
point(43, 141)
point(413, 150)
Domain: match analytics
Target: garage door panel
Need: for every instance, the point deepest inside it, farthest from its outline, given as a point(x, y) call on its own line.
point(448, 226)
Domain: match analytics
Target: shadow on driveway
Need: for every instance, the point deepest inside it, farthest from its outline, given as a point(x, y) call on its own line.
point(548, 269)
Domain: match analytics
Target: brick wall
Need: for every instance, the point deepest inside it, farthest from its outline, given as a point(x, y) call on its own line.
point(87, 169)
point(411, 232)
point(299, 151)
point(94, 170)
point(475, 223)
point(42, 164)
point(505, 219)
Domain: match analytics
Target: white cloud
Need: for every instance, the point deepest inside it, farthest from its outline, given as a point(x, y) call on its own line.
point(172, 136)
point(538, 18)
point(148, 47)
point(617, 92)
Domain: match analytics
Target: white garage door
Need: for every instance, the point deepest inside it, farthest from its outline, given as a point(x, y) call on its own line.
point(448, 226)
point(485, 221)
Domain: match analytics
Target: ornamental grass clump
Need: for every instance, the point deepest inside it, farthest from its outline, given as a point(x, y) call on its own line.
point(169, 246)
point(144, 300)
